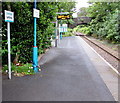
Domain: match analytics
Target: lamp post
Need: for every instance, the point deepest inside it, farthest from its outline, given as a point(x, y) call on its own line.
point(61, 29)
point(56, 36)
point(61, 26)
point(35, 49)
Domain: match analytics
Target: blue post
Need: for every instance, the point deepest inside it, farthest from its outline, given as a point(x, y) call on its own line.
point(35, 49)
point(60, 35)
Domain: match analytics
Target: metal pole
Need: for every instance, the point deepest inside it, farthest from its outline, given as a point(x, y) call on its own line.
point(56, 33)
point(59, 33)
point(35, 49)
point(61, 29)
point(9, 56)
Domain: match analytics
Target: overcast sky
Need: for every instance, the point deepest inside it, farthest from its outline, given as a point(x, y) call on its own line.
point(81, 3)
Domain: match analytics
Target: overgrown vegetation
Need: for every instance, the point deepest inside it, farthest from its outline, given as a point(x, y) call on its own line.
point(24, 69)
point(105, 21)
point(83, 29)
point(68, 33)
point(22, 28)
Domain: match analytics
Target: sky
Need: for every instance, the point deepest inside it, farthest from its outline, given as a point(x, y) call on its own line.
point(79, 4)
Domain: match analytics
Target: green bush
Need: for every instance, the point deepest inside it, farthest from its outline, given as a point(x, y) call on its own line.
point(22, 30)
point(83, 29)
point(68, 33)
point(76, 29)
point(105, 22)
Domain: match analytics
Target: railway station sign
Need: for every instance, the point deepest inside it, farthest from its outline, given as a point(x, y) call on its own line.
point(63, 28)
point(36, 13)
point(63, 17)
point(9, 16)
point(60, 29)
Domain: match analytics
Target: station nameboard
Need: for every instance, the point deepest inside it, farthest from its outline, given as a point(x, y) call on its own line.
point(9, 16)
point(36, 13)
point(63, 17)
point(63, 28)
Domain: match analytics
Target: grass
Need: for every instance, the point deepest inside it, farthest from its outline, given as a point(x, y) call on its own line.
point(67, 34)
point(25, 69)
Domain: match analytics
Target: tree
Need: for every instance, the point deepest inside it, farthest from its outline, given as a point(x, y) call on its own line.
point(82, 12)
point(105, 20)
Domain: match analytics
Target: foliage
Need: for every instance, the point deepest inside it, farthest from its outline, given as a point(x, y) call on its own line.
point(85, 30)
point(68, 33)
point(26, 69)
point(112, 27)
point(104, 24)
point(77, 28)
point(82, 12)
point(66, 6)
point(82, 29)
point(22, 28)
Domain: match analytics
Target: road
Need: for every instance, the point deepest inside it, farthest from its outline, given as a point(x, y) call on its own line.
point(67, 74)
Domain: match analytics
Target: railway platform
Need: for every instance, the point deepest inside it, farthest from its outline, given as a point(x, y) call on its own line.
point(70, 72)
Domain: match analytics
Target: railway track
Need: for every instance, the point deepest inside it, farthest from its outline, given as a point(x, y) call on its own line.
point(116, 57)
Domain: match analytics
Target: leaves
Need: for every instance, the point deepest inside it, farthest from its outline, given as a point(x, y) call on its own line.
point(22, 28)
point(105, 22)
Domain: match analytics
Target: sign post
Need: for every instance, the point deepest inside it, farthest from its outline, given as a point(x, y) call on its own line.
point(9, 56)
point(61, 28)
point(62, 16)
point(56, 36)
point(9, 17)
point(35, 49)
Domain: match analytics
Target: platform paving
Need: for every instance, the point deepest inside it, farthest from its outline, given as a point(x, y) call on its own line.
point(67, 74)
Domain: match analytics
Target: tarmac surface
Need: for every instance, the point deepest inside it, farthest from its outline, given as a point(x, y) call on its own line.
point(67, 74)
